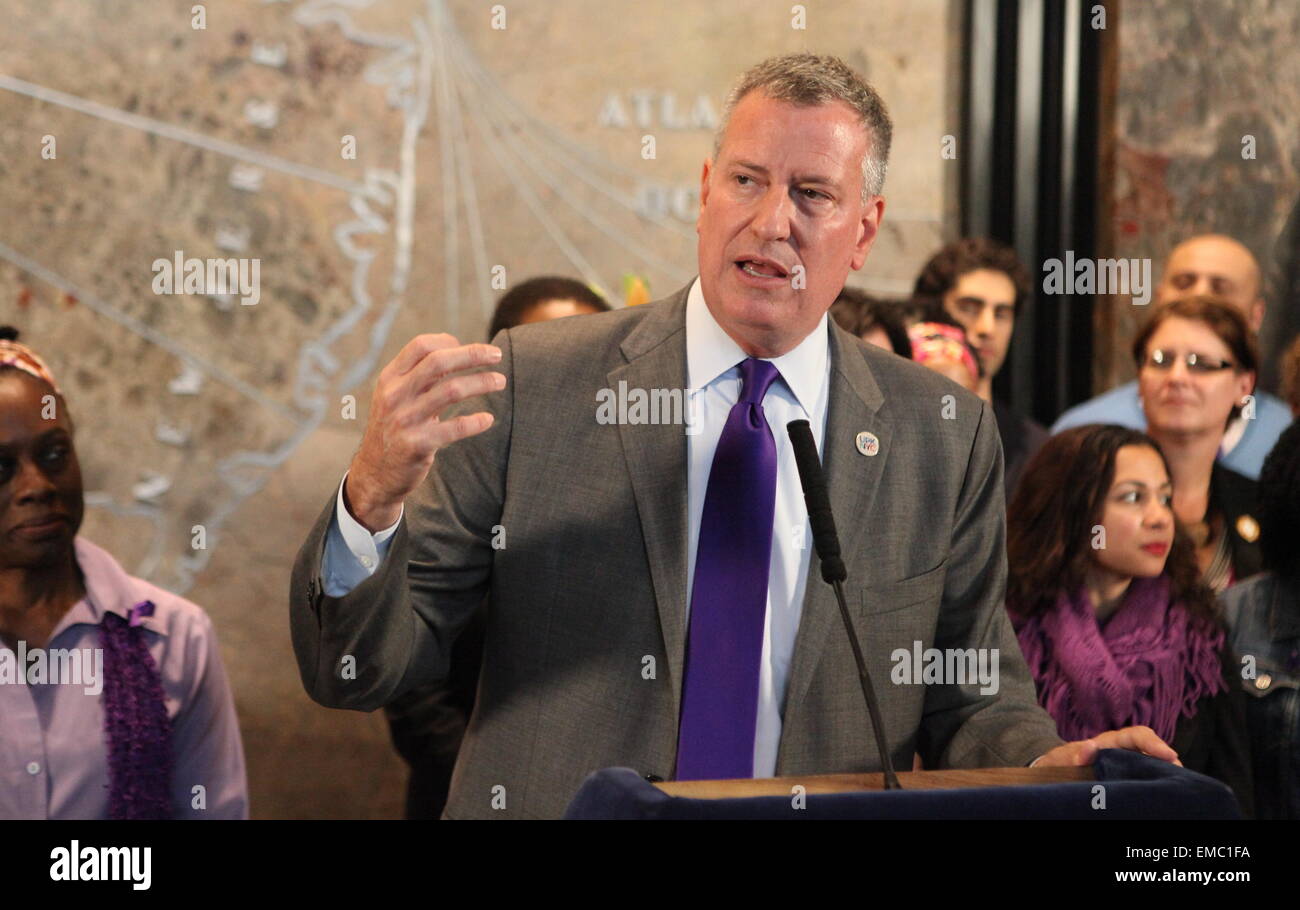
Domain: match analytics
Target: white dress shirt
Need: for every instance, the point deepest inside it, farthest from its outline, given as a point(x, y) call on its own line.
point(713, 374)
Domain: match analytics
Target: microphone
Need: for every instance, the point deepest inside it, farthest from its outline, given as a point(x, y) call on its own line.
point(827, 543)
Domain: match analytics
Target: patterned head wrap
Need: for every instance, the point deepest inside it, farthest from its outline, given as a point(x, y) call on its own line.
point(15, 354)
point(936, 341)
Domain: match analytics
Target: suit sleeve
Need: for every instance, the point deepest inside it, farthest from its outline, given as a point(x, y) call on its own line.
point(962, 727)
point(394, 630)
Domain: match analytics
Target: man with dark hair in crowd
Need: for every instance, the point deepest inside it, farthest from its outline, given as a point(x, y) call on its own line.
point(428, 723)
point(541, 299)
point(982, 285)
point(873, 319)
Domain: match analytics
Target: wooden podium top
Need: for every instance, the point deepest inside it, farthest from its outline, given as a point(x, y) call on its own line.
point(847, 783)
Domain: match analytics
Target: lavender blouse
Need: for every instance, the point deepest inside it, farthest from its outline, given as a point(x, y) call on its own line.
point(53, 753)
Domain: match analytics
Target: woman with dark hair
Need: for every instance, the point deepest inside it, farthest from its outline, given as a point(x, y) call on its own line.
point(114, 702)
point(1116, 625)
point(1197, 363)
point(1263, 616)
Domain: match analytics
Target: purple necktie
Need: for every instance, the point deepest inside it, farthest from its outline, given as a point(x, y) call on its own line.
point(724, 644)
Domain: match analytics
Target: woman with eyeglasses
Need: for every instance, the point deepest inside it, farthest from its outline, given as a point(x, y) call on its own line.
point(1197, 362)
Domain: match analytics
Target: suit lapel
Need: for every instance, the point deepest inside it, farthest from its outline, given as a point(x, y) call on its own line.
point(852, 479)
point(656, 464)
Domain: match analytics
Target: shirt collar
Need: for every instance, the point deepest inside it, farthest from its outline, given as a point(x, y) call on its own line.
point(109, 589)
point(711, 352)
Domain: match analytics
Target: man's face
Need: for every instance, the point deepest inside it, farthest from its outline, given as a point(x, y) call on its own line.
point(1214, 266)
point(784, 194)
point(41, 505)
point(984, 302)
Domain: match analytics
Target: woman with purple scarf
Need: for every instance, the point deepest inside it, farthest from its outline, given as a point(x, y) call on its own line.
point(1115, 622)
point(113, 699)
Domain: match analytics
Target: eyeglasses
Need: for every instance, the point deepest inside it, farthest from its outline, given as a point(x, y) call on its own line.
point(1196, 363)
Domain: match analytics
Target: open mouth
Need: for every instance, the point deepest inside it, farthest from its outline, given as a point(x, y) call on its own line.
point(759, 269)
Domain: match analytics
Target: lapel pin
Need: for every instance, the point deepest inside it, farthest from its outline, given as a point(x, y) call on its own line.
point(868, 444)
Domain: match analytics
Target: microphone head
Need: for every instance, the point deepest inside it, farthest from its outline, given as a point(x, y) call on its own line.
point(813, 480)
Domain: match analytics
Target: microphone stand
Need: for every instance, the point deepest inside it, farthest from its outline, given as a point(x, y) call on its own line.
point(827, 543)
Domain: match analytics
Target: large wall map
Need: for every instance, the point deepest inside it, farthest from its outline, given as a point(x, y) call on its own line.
point(392, 166)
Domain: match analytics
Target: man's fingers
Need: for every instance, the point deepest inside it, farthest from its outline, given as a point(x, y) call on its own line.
point(1140, 739)
point(1069, 755)
point(1135, 739)
point(445, 432)
point(1085, 752)
point(451, 390)
point(418, 348)
point(445, 361)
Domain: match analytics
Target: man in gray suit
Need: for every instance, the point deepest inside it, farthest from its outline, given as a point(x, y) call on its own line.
point(590, 514)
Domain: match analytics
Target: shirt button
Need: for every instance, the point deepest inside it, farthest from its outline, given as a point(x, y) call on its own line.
point(367, 561)
point(1264, 681)
point(33, 767)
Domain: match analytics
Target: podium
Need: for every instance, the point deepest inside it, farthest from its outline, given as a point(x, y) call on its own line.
point(1119, 785)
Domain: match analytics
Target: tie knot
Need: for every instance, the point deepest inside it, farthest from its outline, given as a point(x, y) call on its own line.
point(756, 376)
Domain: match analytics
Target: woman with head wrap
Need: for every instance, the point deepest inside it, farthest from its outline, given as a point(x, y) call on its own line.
point(113, 699)
point(942, 347)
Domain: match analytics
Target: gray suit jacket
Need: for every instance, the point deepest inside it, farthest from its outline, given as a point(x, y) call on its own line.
point(592, 577)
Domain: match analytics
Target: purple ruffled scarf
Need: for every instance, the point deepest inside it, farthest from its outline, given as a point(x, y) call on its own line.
point(135, 720)
point(1148, 666)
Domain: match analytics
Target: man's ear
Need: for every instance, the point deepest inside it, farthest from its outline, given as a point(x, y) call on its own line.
point(872, 214)
point(1247, 387)
point(1257, 315)
point(704, 189)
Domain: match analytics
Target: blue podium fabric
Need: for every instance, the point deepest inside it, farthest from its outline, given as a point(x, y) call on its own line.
point(1135, 787)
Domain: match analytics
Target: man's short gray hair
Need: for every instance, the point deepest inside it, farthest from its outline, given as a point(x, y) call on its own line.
point(809, 79)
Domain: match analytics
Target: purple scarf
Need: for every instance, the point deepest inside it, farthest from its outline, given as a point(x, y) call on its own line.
point(135, 720)
point(1149, 666)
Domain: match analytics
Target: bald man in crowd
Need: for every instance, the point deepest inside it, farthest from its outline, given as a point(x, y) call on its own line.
point(1220, 266)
